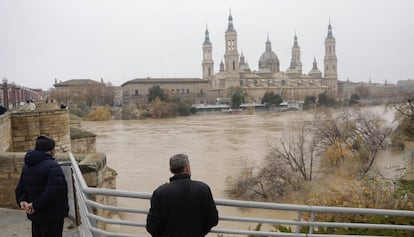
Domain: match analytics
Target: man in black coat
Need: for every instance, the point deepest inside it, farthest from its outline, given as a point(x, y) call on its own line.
point(182, 207)
point(42, 190)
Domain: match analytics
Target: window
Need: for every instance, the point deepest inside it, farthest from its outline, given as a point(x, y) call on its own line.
point(188, 91)
point(136, 92)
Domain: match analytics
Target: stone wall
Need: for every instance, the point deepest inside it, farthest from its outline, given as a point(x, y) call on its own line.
point(11, 164)
point(18, 132)
point(5, 132)
point(93, 166)
point(83, 145)
point(27, 125)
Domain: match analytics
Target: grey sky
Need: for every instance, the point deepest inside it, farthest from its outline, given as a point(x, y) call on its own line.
point(119, 40)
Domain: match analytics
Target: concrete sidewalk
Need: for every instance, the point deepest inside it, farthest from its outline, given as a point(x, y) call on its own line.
point(14, 222)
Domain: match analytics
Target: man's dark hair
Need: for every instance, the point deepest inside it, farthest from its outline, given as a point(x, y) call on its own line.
point(178, 162)
point(44, 143)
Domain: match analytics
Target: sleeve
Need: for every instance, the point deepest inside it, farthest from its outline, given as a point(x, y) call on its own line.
point(20, 191)
point(212, 217)
point(55, 187)
point(153, 225)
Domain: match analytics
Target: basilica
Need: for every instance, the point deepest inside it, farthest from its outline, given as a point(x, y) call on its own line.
point(292, 84)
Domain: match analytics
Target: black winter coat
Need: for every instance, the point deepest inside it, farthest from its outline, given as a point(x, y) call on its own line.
point(43, 183)
point(182, 208)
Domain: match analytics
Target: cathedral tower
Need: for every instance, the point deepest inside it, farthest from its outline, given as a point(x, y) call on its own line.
point(231, 56)
point(207, 63)
point(296, 55)
point(330, 64)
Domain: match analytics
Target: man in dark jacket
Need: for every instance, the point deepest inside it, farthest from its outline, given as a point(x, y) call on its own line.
point(182, 207)
point(42, 190)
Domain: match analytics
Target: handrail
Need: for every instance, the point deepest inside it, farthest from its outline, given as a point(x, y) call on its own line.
point(90, 220)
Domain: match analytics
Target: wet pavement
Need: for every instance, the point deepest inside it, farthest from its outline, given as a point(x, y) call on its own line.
point(14, 222)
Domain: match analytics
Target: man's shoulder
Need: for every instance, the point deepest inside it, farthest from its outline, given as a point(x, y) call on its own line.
point(161, 187)
point(200, 184)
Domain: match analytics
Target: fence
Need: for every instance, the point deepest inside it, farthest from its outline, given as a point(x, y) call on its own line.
point(90, 220)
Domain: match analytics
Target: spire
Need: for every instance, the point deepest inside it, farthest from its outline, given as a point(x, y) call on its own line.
point(230, 27)
point(315, 64)
point(207, 37)
point(242, 58)
point(268, 44)
point(221, 66)
point(295, 43)
point(330, 35)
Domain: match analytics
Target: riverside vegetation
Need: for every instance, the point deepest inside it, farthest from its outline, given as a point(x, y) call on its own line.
point(341, 150)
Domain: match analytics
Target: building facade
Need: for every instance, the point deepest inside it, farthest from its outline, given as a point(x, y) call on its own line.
point(189, 89)
point(291, 84)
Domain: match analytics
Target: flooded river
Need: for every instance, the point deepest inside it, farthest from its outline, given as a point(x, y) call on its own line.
point(218, 145)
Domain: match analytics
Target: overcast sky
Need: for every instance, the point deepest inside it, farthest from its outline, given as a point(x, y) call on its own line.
point(119, 40)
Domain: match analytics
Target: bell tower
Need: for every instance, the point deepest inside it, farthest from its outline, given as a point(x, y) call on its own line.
point(330, 64)
point(231, 56)
point(207, 63)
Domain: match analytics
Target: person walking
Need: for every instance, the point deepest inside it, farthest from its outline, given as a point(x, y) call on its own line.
point(42, 190)
point(182, 207)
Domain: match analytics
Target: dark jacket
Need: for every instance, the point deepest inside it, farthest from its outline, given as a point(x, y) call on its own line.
point(43, 183)
point(182, 208)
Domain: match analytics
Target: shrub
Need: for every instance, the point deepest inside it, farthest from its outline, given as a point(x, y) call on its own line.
point(99, 114)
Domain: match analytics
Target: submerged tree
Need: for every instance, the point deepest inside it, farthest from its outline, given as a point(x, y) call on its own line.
point(327, 140)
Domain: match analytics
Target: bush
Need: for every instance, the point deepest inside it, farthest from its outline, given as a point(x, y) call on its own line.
point(99, 114)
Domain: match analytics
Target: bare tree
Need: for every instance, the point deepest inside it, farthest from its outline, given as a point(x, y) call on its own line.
point(298, 149)
point(370, 136)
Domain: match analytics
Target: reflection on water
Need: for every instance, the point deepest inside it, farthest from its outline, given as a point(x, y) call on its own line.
point(217, 145)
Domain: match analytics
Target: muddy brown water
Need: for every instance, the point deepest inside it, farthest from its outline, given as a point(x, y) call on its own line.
point(218, 146)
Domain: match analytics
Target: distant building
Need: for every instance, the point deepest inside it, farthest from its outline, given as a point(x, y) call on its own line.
point(85, 91)
point(189, 89)
point(367, 90)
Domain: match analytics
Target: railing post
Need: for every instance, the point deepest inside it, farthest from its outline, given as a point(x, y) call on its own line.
point(312, 221)
point(299, 219)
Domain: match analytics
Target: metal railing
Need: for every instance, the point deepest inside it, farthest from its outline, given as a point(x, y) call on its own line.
point(90, 220)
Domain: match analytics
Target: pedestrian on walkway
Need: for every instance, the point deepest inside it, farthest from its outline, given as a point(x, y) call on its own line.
point(42, 190)
point(182, 207)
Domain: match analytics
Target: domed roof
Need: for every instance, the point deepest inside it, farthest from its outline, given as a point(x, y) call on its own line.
point(268, 56)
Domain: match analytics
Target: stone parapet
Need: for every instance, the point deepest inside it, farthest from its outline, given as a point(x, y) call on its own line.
point(83, 145)
point(93, 167)
point(27, 125)
point(5, 132)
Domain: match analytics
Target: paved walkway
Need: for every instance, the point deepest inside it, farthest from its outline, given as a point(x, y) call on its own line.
point(15, 223)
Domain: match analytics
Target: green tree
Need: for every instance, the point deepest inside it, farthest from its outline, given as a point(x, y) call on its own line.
point(272, 98)
point(325, 100)
point(237, 96)
point(354, 99)
point(156, 92)
point(309, 103)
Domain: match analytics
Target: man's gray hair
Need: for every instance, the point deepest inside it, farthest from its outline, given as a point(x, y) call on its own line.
point(178, 162)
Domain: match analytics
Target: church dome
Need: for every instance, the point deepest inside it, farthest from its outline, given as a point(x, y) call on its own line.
point(268, 56)
point(269, 60)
